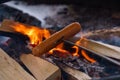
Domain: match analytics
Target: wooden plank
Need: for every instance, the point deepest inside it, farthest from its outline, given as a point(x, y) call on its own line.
point(41, 69)
point(101, 48)
point(71, 73)
point(11, 70)
point(74, 74)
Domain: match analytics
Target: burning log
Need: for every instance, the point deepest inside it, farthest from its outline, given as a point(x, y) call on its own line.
point(56, 38)
point(18, 37)
point(8, 25)
point(41, 69)
point(101, 48)
point(11, 70)
point(37, 38)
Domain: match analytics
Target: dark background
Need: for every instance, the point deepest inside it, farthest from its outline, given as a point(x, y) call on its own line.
point(94, 3)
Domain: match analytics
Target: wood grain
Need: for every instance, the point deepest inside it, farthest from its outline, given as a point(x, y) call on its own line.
point(11, 70)
point(41, 69)
point(71, 73)
point(101, 48)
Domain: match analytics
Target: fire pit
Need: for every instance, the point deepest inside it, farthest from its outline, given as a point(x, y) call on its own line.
point(68, 56)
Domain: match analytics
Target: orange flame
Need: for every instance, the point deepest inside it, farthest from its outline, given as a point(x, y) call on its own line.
point(77, 49)
point(87, 57)
point(37, 35)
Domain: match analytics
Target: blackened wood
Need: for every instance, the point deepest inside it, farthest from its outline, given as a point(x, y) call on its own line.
point(16, 36)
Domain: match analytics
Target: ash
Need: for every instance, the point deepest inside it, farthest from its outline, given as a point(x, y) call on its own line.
point(92, 69)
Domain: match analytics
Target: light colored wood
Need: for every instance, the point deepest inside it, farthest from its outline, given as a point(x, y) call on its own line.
point(11, 70)
point(101, 48)
point(41, 69)
point(56, 38)
point(73, 74)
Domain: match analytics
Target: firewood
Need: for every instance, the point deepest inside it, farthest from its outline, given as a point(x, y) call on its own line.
point(101, 48)
point(11, 70)
point(41, 69)
point(72, 74)
point(56, 38)
point(8, 25)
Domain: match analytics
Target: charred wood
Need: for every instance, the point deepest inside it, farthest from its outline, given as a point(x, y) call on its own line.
point(18, 37)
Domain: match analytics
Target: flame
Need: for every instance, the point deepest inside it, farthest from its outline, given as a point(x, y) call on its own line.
point(58, 49)
point(83, 52)
point(46, 33)
point(37, 35)
point(77, 49)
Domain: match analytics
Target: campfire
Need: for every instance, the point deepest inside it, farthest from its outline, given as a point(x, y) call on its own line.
point(37, 35)
point(81, 55)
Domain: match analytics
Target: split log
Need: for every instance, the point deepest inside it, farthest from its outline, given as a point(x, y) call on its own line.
point(8, 25)
point(56, 39)
point(11, 70)
point(41, 69)
point(71, 73)
point(101, 48)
